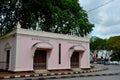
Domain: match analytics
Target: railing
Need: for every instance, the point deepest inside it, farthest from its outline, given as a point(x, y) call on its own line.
point(75, 65)
point(39, 65)
point(4, 65)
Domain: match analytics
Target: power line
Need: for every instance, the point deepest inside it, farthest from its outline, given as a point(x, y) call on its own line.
point(100, 6)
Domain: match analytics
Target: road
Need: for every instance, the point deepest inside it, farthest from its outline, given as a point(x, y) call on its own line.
point(93, 78)
point(112, 69)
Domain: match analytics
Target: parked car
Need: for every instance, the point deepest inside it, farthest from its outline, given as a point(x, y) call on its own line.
point(107, 63)
point(94, 62)
point(111, 63)
point(115, 62)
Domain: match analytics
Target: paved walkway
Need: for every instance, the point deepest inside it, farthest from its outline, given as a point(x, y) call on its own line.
point(8, 75)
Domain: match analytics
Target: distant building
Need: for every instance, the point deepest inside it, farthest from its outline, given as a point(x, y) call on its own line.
point(101, 54)
point(29, 50)
point(104, 54)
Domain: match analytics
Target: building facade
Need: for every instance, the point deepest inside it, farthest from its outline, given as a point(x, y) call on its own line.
point(29, 50)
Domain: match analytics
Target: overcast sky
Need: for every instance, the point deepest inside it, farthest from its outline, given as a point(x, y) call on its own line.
point(105, 14)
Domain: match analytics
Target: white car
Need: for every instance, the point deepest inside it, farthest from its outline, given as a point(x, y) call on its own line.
point(115, 62)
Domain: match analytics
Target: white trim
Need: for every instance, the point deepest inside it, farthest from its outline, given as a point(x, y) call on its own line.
point(17, 59)
point(42, 45)
point(76, 48)
point(51, 35)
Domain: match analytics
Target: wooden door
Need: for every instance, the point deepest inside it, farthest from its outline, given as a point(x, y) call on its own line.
point(75, 60)
point(7, 59)
point(40, 59)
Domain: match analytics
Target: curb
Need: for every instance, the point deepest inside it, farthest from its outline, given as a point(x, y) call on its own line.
point(75, 76)
point(54, 75)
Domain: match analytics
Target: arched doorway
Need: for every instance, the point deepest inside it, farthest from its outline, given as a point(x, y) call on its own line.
point(75, 60)
point(7, 51)
point(76, 55)
point(41, 51)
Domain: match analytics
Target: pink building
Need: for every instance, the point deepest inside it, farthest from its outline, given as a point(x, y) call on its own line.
point(29, 50)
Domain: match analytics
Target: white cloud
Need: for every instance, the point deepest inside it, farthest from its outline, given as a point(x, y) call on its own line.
point(105, 18)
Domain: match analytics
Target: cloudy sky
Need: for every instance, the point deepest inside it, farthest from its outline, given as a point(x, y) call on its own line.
point(105, 14)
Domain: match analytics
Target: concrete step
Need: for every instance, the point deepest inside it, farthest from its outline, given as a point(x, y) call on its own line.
point(41, 71)
point(76, 69)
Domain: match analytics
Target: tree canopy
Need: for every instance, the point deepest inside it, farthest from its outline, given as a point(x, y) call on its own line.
point(97, 43)
point(113, 43)
point(58, 16)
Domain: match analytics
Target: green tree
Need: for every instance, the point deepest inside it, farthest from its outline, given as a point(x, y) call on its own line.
point(114, 44)
point(97, 43)
point(58, 16)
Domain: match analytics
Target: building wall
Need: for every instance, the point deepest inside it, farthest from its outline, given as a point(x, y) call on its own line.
point(25, 54)
point(8, 43)
point(21, 43)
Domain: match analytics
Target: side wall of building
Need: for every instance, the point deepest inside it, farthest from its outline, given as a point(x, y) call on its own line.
point(6, 44)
